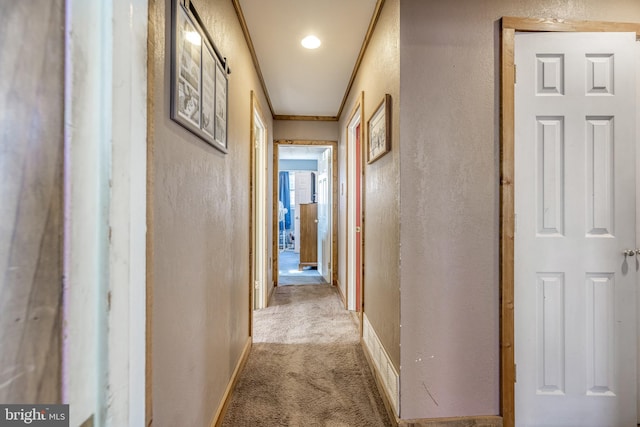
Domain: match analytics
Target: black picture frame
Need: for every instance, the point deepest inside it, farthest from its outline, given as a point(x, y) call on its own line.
point(379, 131)
point(199, 81)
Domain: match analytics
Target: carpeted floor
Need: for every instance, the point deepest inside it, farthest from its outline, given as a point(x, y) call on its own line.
point(306, 367)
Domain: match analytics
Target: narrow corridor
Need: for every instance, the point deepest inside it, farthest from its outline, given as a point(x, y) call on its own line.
point(306, 367)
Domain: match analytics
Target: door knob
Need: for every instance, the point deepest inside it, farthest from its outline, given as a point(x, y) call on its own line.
point(630, 252)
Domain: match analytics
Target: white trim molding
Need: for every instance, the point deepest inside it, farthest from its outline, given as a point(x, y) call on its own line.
point(105, 212)
point(383, 366)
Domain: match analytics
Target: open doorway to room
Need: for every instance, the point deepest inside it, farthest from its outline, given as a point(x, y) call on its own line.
point(304, 212)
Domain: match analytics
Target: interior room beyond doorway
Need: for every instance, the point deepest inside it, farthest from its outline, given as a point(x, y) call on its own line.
point(304, 243)
point(304, 212)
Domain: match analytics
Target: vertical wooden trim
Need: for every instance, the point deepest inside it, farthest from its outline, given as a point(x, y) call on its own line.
point(334, 214)
point(255, 108)
point(507, 357)
point(363, 196)
point(347, 267)
point(359, 105)
point(151, 31)
point(252, 208)
point(509, 26)
point(274, 208)
point(350, 263)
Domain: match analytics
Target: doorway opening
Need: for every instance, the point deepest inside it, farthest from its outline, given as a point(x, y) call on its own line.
point(355, 232)
point(259, 290)
point(304, 212)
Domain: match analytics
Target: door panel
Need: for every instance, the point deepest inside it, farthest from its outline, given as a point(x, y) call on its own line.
point(324, 215)
point(259, 173)
point(575, 214)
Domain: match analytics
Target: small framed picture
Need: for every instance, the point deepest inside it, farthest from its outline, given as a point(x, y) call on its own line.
point(198, 79)
point(379, 131)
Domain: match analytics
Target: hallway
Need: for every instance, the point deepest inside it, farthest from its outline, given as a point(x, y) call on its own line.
point(306, 367)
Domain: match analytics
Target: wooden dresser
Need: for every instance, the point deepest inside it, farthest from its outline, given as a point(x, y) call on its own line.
point(308, 235)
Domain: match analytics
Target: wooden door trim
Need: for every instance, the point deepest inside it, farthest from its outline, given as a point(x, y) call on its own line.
point(255, 109)
point(334, 202)
point(359, 106)
point(509, 26)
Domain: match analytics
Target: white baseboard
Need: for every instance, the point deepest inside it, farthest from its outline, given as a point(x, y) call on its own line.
point(382, 363)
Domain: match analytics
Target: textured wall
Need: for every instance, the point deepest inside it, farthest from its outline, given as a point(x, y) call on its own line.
point(305, 130)
point(200, 228)
point(31, 162)
point(450, 196)
point(379, 75)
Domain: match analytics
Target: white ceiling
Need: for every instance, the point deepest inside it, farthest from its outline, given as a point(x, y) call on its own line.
point(299, 81)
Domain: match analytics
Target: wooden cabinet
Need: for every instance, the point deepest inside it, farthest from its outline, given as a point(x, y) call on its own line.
point(308, 235)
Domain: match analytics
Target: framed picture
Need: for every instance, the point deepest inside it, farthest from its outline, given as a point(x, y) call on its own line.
point(198, 79)
point(379, 131)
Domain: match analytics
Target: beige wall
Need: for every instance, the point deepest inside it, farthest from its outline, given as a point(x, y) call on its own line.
point(305, 130)
point(379, 75)
point(200, 231)
point(450, 196)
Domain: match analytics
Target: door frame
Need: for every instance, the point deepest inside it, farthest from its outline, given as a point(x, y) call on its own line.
point(334, 202)
point(256, 110)
point(509, 26)
point(355, 118)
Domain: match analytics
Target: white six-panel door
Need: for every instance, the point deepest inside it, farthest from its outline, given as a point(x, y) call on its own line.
point(575, 296)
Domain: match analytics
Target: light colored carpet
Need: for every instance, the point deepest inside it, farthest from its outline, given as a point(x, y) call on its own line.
point(301, 280)
point(306, 367)
point(290, 274)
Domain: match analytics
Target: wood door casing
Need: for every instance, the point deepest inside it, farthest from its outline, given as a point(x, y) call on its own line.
point(358, 231)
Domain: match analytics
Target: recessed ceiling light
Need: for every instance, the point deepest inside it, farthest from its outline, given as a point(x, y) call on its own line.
point(311, 42)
